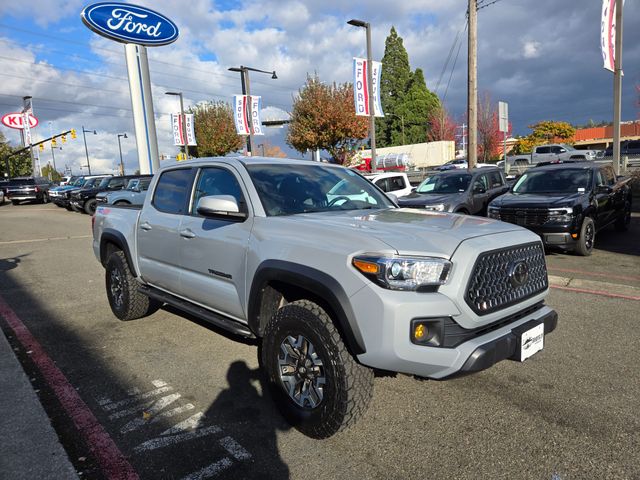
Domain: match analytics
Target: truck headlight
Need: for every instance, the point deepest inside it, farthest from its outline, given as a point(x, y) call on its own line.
point(561, 215)
point(493, 212)
point(404, 273)
point(440, 207)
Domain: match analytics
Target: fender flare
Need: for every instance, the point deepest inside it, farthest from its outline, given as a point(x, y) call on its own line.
point(315, 281)
point(115, 237)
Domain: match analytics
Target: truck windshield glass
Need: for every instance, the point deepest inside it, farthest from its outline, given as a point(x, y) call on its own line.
point(291, 189)
point(91, 182)
point(554, 181)
point(445, 184)
point(105, 182)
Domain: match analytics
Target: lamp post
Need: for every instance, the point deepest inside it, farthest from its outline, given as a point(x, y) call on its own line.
point(372, 123)
point(246, 90)
point(123, 135)
point(86, 150)
point(183, 121)
point(53, 155)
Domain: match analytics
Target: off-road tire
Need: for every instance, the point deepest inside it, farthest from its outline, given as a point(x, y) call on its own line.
point(44, 199)
point(349, 385)
point(90, 206)
point(622, 224)
point(587, 238)
point(15, 202)
point(126, 302)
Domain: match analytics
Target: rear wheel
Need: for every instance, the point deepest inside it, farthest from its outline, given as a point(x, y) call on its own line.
point(45, 198)
point(15, 202)
point(318, 385)
point(126, 302)
point(622, 224)
point(587, 238)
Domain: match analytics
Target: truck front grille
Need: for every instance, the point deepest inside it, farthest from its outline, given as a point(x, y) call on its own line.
point(504, 277)
point(527, 217)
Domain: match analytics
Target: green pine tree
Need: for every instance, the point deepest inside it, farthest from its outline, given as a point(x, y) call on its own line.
point(395, 77)
point(417, 106)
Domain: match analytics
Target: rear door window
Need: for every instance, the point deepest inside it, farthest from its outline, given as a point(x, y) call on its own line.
point(172, 192)
point(396, 183)
point(383, 184)
point(542, 150)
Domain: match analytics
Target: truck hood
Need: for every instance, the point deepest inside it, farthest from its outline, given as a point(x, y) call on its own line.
point(407, 231)
point(530, 200)
point(430, 199)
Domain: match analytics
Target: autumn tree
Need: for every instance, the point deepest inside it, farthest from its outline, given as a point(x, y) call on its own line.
point(544, 132)
point(441, 125)
point(323, 117)
point(269, 150)
point(49, 172)
point(19, 164)
point(215, 130)
point(489, 135)
point(404, 95)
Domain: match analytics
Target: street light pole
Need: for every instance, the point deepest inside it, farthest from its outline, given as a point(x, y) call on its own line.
point(372, 120)
point(123, 135)
point(53, 156)
point(86, 150)
point(183, 120)
point(246, 90)
point(472, 92)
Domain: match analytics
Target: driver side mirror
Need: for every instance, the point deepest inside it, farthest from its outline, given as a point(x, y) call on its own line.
point(221, 207)
point(604, 189)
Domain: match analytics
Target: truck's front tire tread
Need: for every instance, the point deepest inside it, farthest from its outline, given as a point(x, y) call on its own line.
point(347, 396)
point(132, 303)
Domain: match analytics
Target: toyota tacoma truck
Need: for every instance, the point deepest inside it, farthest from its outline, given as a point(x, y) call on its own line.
point(333, 285)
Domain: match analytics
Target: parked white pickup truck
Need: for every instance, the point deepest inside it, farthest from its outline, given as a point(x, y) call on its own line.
point(547, 153)
point(396, 183)
point(329, 274)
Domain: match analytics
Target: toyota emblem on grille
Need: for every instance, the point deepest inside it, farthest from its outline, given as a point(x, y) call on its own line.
point(518, 274)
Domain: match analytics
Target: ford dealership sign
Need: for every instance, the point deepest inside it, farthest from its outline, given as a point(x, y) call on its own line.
point(128, 23)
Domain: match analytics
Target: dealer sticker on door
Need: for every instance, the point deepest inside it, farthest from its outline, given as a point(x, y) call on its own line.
point(532, 341)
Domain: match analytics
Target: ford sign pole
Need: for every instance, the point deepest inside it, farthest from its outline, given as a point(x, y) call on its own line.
point(136, 27)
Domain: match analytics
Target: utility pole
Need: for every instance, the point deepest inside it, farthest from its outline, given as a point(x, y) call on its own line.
point(472, 96)
point(617, 89)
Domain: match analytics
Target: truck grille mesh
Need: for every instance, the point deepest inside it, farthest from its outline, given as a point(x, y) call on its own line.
point(527, 217)
point(497, 280)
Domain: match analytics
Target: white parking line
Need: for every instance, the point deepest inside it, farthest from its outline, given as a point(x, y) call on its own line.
point(234, 448)
point(166, 441)
point(210, 471)
point(141, 421)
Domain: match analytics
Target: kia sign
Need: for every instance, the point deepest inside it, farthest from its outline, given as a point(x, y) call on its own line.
point(128, 23)
point(16, 120)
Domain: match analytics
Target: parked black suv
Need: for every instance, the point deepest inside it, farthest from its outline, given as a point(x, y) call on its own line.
point(85, 198)
point(567, 203)
point(28, 188)
point(458, 191)
point(627, 147)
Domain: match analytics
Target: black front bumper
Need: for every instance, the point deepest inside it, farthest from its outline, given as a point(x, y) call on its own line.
point(502, 348)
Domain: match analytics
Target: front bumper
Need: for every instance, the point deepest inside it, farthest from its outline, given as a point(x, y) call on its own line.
point(561, 236)
point(23, 196)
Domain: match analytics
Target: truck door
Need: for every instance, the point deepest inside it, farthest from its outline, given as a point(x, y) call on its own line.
point(158, 227)
point(213, 251)
point(543, 154)
point(480, 194)
point(602, 198)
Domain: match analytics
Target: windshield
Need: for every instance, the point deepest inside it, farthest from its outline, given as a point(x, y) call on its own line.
point(554, 181)
point(78, 183)
point(91, 182)
point(132, 184)
point(105, 182)
point(445, 184)
point(290, 189)
point(568, 147)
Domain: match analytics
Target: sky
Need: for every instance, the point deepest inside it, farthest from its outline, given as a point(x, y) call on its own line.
point(541, 56)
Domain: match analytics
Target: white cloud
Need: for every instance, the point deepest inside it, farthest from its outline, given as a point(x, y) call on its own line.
point(531, 49)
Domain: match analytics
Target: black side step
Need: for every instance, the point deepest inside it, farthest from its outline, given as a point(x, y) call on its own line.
point(197, 311)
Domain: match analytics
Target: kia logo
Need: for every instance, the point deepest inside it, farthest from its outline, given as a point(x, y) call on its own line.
point(518, 274)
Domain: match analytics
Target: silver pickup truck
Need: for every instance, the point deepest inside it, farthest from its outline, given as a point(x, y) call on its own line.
point(329, 274)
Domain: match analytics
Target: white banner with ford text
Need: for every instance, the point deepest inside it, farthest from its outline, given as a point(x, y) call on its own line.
point(256, 122)
point(608, 33)
point(178, 132)
point(240, 114)
point(361, 89)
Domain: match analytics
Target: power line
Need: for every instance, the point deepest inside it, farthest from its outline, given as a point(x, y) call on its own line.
point(446, 90)
point(484, 4)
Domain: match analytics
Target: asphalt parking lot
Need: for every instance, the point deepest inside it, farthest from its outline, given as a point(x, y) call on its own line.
point(178, 399)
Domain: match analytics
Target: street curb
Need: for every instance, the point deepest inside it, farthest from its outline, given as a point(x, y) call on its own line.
point(595, 287)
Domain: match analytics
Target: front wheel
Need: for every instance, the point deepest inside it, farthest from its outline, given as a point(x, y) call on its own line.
point(317, 384)
point(90, 206)
point(587, 238)
point(126, 302)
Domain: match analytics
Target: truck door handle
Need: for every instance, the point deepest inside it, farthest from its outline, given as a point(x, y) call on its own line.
point(145, 226)
point(187, 233)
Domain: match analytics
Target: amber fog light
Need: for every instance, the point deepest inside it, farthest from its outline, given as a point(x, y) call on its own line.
point(428, 332)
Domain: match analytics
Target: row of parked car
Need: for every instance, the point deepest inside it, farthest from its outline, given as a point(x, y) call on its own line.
point(82, 194)
point(564, 201)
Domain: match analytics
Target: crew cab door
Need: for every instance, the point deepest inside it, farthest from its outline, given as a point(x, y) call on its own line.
point(213, 251)
point(158, 229)
point(603, 194)
point(479, 194)
point(542, 154)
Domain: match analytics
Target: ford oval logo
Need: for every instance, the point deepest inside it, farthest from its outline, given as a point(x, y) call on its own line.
point(128, 23)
